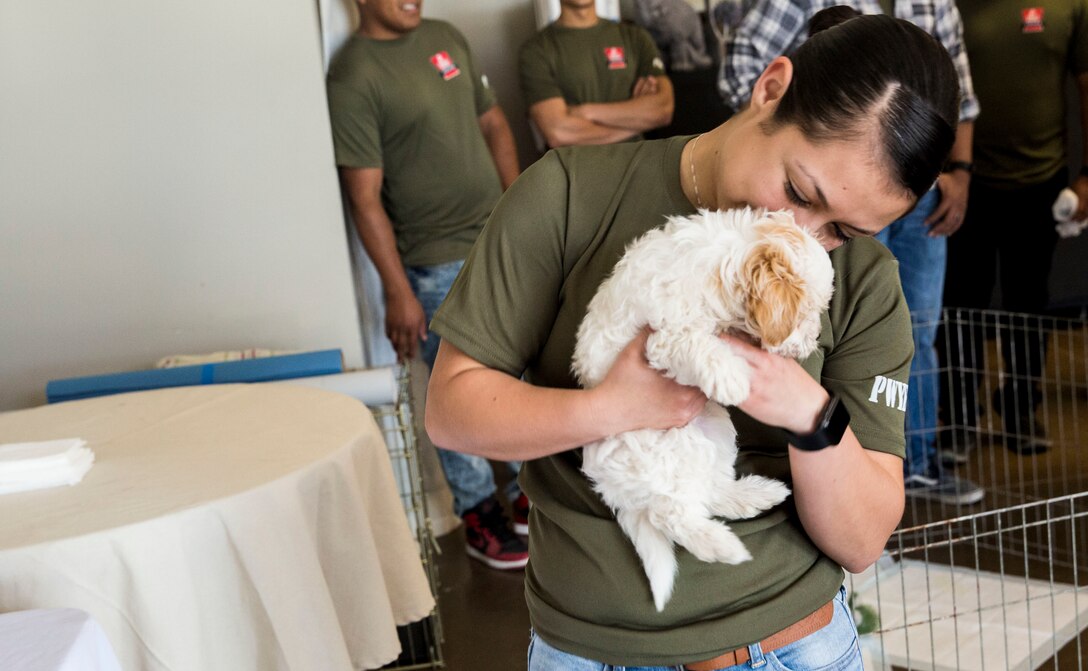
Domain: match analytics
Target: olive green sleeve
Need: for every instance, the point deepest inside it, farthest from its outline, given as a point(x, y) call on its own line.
point(503, 304)
point(536, 73)
point(869, 364)
point(355, 121)
point(649, 57)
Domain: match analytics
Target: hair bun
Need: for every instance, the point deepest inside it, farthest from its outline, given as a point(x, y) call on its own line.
point(829, 17)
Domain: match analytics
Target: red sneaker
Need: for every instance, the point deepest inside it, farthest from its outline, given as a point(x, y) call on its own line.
point(521, 514)
point(488, 537)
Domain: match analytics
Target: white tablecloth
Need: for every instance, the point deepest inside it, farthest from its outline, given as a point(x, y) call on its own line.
point(229, 527)
point(54, 639)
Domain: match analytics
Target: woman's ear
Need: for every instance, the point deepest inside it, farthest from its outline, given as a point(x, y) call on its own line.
point(772, 84)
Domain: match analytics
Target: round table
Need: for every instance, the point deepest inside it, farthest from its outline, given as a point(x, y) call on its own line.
point(228, 527)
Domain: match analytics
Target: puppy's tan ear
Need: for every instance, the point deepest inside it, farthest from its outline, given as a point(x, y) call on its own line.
point(774, 294)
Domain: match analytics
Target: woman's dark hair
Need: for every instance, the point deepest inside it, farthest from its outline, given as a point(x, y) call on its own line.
point(829, 17)
point(875, 70)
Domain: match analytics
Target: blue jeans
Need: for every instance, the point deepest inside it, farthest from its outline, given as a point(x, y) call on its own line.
point(921, 271)
point(833, 648)
point(470, 477)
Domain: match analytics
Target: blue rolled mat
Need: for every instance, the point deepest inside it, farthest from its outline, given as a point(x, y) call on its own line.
point(265, 369)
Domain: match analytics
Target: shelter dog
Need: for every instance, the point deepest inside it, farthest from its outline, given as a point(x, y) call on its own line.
point(748, 271)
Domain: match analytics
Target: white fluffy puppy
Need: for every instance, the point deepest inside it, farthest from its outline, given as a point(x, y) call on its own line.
point(748, 271)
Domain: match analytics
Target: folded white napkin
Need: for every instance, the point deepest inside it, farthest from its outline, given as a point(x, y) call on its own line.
point(49, 463)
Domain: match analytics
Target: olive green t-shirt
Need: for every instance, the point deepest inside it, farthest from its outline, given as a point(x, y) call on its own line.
point(587, 65)
point(411, 107)
point(553, 238)
point(1021, 54)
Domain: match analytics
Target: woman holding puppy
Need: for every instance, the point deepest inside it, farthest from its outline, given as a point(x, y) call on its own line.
point(848, 133)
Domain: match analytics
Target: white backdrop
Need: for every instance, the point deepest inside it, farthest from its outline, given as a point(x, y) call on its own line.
point(166, 186)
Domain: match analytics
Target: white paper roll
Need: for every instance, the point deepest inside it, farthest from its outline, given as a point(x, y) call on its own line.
point(372, 386)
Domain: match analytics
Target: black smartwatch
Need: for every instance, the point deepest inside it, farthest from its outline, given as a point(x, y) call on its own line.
point(829, 431)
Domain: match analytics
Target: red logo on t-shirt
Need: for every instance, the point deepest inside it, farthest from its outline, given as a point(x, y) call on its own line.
point(445, 65)
point(1031, 20)
point(615, 58)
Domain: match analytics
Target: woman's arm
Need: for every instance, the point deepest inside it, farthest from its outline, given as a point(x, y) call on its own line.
point(478, 410)
point(849, 499)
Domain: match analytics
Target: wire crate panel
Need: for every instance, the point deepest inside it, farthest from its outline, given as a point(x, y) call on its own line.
point(1005, 589)
point(421, 642)
point(1007, 382)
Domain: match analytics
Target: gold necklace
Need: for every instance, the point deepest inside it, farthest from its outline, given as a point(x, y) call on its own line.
point(694, 181)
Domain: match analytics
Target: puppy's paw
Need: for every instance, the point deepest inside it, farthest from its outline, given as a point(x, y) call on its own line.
point(728, 385)
point(720, 545)
point(749, 496)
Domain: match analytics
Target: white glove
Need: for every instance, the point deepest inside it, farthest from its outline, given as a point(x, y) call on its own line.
point(1063, 209)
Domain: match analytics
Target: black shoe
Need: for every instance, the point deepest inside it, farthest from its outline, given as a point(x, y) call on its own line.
point(1027, 445)
point(954, 446)
point(943, 488)
point(1025, 434)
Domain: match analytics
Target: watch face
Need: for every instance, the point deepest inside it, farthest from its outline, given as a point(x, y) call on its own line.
point(830, 431)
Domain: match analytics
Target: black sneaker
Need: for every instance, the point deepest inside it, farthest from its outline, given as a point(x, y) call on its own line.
point(1025, 434)
point(488, 537)
point(954, 447)
point(1034, 442)
point(944, 488)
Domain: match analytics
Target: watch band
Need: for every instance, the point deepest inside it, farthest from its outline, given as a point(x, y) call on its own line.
point(966, 166)
point(829, 431)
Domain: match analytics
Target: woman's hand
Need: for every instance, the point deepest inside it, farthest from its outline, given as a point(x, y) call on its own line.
point(782, 393)
point(848, 498)
point(635, 396)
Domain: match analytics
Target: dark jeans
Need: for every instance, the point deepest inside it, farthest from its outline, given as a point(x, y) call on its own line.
point(1007, 237)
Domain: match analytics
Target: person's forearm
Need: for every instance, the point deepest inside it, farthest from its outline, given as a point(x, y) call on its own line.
point(376, 234)
point(961, 148)
point(638, 114)
point(1082, 89)
point(571, 130)
point(471, 412)
point(954, 185)
point(1079, 182)
point(500, 142)
point(849, 500)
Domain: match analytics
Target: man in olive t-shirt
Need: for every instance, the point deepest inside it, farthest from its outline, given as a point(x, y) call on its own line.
point(424, 153)
point(516, 308)
point(588, 80)
point(1023, 54)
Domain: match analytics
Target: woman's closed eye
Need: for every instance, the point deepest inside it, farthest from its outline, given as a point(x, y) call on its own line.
point(794, 197)
point(798, 200)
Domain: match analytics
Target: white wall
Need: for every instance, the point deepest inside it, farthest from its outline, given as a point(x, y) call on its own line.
point(166, 186)
point(496, 29)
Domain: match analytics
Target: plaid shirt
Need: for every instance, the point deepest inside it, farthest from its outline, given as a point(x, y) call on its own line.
point(773, 28)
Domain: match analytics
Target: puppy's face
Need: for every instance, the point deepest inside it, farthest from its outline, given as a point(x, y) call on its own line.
point(786, 280)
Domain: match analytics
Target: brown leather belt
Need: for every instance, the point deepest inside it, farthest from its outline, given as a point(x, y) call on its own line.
point(794, 632)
